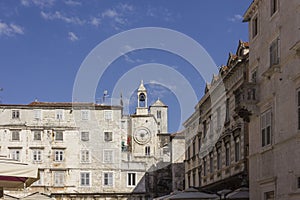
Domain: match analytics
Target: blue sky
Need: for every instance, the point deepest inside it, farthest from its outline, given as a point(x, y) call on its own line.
point(44, 42)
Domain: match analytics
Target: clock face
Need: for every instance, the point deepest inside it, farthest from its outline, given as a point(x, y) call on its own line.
point(142, 136)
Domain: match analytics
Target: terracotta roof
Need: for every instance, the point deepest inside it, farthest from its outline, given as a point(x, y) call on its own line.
point(62, 105)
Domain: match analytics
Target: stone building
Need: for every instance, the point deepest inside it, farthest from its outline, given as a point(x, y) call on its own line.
point(217, 132)
point(87, 150)
point(274, 65)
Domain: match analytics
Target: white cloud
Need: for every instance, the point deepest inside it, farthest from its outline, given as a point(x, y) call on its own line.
point(10, 29)
point(39, 3)
point(72, 3)
point(109, 13)
point(59, 16)
point(72, 36)
point(95, 21)
point(236, 18)
point(160, 13)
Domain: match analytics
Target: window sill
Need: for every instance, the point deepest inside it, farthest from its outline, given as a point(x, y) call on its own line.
point(266, 148)
point(271, 70)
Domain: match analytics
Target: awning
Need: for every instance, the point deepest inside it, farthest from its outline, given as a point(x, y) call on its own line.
point(239, 194)
point(192, 193)
point(14, 174)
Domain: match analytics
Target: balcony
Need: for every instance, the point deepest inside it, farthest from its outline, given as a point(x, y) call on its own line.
point(246, 98)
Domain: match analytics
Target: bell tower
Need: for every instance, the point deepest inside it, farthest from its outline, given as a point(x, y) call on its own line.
point(142, 107)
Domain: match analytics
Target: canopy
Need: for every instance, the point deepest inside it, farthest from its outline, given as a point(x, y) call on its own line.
point(192, 193)
point(14, 174)
point(239, 194)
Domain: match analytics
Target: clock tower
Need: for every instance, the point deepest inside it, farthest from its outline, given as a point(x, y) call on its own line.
point(147, 124)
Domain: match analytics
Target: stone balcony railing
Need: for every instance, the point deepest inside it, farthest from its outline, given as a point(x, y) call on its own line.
point(246, 98)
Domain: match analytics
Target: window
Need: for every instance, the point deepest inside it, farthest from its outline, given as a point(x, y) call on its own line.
point(85, 179)
point(199, 142)
point(219, 159)
point(85, 114)
point(158, 114)
point(254, 76)
point(274, 6)
point(85, 136)
point(108, 156)
point(107, 136)
point(227, 116)
point(188, 153)
point(204, 128)
point(194, 147)
point(85, 156)
point(60, 114)
point(15, 114)
point(147, 151)
point(274, 52)
point(58, 178)
point(131, 179)
point(123, 124)
point(237, 148)
point(254, 26)
point(37, 114)
point(211, 162)
point(59, 155)
point(298, 109)
point(204, 166)
point(37, 155)
point(298, 182)
point(108, 114)
point(15, 154)
point(15, 135)
point(266, 128)
point(108, 179)
point(37, 135)
point(269, 195)
point(219, 117)
point(194, 178)
point(59, 136)
point(211, 126)
point(227, 154)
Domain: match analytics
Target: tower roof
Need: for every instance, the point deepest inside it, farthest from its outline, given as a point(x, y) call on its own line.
point(142, 87)
point(158, 103)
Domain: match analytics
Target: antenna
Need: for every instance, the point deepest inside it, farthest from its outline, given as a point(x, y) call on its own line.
point(105, 94)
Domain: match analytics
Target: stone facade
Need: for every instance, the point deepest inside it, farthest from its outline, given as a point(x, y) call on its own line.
point(87, 150)
point(274, 64)
point(217, 132)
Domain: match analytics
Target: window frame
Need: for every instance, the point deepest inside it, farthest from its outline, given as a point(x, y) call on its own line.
point(85, 115)
point(37, 114)
point(237, 149)
point(211, 163)
point(59, 155)
point(37, 155)
point(227, 154)
point(58, 178)
point(105, 155)
point(58, 139)
point(59, 114)
point(266, 136)
point(85, 179)
point(15, 135)
point(15, 114)
point(109, 178)
point(254, 26)
point(84, 136)
point(131, 179)
point(274, 52)
point(37, 135)
point(85, 156)
point(15, 154)
point(108, 114)
point(108, 136)
point(147, 150)
point(273, 7)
